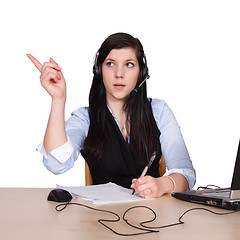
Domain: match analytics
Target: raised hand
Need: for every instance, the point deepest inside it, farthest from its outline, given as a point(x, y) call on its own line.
point(53, 81)
point(51, 78)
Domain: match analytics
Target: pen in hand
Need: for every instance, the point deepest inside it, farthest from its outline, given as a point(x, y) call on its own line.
point(147, 167)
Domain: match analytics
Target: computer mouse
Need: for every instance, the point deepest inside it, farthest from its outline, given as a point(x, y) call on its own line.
point(59, 195)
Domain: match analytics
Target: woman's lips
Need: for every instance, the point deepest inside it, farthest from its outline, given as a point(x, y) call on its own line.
point(119, 86)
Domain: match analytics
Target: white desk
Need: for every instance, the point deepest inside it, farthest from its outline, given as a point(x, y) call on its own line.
point(26, 214)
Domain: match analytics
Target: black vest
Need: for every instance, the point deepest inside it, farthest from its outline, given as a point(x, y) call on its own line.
point(120, 162)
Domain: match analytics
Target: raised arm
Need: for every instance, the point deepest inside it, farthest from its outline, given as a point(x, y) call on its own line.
point(54, 83)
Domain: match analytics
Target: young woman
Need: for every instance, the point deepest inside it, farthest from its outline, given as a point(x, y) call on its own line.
point(121, 129)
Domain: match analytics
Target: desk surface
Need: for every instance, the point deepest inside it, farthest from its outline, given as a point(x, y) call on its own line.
point(26, 214)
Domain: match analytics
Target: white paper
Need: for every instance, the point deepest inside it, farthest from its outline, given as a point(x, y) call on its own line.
point(103, 193)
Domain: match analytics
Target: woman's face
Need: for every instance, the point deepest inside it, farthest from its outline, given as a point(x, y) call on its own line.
point(120, 72)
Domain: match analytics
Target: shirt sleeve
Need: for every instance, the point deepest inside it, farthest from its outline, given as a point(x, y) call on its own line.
point(62, 158)
point(173, 147)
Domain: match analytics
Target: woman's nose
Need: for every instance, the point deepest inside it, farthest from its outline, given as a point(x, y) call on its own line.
point(119, 73)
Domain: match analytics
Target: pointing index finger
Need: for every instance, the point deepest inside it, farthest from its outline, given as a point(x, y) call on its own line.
point(35, 62)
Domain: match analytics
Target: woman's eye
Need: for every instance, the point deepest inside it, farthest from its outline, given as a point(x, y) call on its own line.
point(110, 64)
point(130, 64)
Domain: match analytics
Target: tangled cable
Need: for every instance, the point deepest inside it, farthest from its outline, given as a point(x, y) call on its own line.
point(144, 229)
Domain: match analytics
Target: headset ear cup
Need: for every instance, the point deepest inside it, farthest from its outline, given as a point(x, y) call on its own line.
point(145, 68)
point(96, 71)
point(96, 68)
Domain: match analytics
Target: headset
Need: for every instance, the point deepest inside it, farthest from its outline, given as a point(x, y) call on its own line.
point(97, 71)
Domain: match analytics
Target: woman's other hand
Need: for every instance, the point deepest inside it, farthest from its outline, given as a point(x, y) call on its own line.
point(150, 187)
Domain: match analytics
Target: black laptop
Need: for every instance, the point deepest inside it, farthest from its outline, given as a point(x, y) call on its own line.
point(228, 198)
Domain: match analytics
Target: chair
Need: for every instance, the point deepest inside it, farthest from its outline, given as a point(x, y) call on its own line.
point(88, 178)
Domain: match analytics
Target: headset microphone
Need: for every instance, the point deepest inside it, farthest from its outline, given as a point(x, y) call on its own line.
point(135, 90)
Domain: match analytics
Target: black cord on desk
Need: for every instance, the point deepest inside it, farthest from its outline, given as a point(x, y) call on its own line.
point(187, 211)
point(101, 221)
point(145, 229)
point(209, 186)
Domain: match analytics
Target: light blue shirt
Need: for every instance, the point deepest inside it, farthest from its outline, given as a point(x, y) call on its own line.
point(173, 147)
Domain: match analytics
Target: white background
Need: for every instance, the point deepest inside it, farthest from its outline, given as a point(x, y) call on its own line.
point(193, 53)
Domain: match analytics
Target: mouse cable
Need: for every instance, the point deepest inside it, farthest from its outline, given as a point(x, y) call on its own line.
point(101, 221)
point(187, 211)
point(145, 229)
point(209, 186)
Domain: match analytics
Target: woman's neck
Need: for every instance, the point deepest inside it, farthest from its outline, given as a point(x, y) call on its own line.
point(117, 110)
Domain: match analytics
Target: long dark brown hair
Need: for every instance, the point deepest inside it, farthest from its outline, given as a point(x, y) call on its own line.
point(138, 107)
